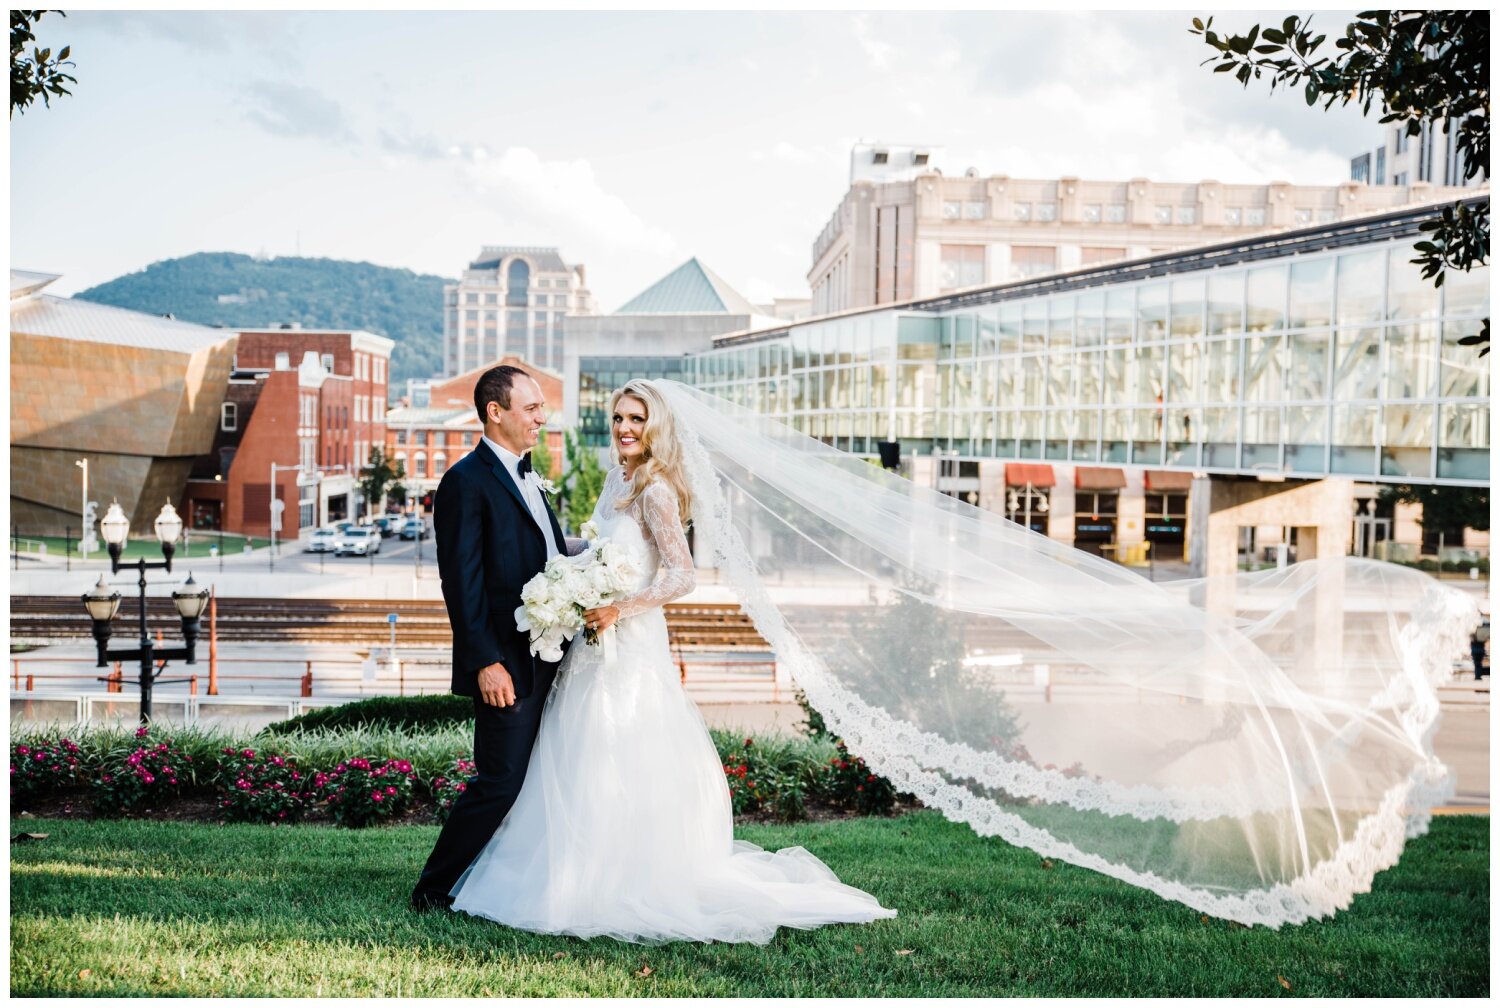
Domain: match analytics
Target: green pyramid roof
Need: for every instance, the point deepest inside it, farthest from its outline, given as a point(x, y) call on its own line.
point(690, 289)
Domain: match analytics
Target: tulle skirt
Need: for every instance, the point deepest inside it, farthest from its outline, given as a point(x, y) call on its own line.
point(623, 827)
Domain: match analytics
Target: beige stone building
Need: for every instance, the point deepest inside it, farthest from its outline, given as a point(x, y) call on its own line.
point(512, 301)
point(919, 233)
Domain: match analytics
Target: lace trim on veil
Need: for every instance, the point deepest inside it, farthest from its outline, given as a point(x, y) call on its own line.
point(902, 752)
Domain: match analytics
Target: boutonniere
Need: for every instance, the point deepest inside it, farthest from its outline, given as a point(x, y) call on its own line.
point(548, 487)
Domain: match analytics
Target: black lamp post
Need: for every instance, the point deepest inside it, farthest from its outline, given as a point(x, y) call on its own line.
point(102, 604)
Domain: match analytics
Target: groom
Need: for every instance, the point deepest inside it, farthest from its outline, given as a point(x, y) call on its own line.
point(494, 533)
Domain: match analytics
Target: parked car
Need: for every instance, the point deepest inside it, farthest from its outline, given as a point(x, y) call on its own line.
point(387, 526)
point(414, 528)
point(323, 540)
point(363, 539)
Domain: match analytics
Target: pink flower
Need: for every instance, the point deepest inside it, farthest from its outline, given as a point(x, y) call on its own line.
point(148, 778)
point(376, 796)
point(390, 790)
point(141, 731)
point(23, 750)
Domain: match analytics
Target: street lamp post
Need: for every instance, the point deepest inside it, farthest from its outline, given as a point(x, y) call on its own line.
point(278, 507)
point(102, 604)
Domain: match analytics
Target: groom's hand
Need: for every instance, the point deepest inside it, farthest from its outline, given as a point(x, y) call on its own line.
point(495, 687)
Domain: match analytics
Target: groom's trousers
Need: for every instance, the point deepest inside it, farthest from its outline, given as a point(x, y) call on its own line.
point(503, 737)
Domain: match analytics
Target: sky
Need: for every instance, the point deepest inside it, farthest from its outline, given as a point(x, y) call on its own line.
point(629, 141)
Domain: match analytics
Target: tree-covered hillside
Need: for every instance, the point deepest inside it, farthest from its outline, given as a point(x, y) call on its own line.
point(233, 290)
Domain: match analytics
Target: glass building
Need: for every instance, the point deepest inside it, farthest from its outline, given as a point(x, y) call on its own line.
point(598, 377)
point(1319, 352)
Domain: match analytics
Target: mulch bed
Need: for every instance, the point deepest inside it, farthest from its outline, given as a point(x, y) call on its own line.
point(202, 806)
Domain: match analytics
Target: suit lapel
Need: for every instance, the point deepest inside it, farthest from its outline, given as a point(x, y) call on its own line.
point(503, 475)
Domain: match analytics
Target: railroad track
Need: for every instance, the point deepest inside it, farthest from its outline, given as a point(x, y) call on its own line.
point(692, 626)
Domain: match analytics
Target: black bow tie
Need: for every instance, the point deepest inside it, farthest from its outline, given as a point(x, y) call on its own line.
point(524, 466)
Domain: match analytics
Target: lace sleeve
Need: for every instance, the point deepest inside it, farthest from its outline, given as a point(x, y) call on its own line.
point(662, 522)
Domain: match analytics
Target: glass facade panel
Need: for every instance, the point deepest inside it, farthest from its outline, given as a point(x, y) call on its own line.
point(1467, 293)
point(1361, 286)
point(1119, 316)
point(1308, 358)
point(1464, 372)
point(1182, 372)
point(1264, 368)
point(1409, 296)
point(1187, 306)
point(1353, 440)
point(1406, 439)
point(1221, 371)
point(1464, 450)
point(1265, 298)
point(1151, 312)
point(1356, 364)
point(1410, 370)
point(1089, 329)
point(1226, 302)
point(1311, 293)
point(1306, 438)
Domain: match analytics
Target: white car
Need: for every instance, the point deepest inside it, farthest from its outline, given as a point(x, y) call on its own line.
point(361, 539)
point(323, 540)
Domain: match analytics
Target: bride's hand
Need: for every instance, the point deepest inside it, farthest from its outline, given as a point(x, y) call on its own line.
point(601, 619)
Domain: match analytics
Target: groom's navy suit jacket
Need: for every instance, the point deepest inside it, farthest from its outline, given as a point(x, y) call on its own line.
point(488, 547)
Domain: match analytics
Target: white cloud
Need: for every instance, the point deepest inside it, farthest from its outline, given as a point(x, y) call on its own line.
point(560, 199)
point(877, 52)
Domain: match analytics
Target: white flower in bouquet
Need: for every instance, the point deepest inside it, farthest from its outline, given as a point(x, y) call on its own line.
point(590, 530)
point(554, 601)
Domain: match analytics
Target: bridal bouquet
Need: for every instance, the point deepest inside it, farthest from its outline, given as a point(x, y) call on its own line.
point(553, 602)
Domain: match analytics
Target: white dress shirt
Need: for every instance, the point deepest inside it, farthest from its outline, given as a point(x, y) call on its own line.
point(531, 492)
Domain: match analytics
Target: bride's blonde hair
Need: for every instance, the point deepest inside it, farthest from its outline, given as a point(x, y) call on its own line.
point(663, 451)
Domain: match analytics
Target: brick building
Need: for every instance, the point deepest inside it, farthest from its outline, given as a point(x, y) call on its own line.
point(437, 425)
point(312, 405)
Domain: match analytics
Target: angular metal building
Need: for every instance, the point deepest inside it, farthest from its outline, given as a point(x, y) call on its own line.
point(136, 395)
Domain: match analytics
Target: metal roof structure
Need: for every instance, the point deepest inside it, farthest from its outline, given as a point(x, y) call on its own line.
point(546, 259)
point(35, 314)
point(690, 289)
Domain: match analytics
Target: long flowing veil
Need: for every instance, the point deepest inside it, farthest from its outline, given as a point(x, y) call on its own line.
point(1256, 747)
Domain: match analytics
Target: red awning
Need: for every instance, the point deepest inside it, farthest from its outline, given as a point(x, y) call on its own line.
point(1098, 478)
point(1021, 473)
point(1163, 479)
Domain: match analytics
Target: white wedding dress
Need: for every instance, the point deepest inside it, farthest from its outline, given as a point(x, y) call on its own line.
point(623, 827)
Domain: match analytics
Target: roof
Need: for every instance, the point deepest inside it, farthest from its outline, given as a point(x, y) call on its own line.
point(690, 289)
point(545, 259)
point(429, 416)
point(24, 282)
point(73, 319)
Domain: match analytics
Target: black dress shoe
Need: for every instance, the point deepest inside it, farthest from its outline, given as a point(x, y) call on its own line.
point(424, 900)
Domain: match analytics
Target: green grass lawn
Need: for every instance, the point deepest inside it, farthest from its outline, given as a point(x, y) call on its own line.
point(163, 908)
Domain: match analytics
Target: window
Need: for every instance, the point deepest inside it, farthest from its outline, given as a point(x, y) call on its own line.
point(228, 416)
point(952, 210)
point(1359, 169)
point(419, 464)
point(1115, 213)
point(1100, 255)
point(1021, 211)
point(1093, 213)
point(491, 298)
point(975, 210)
point(439, 464)
point(1302, 215)
point(471, 298)
point(1402, 140)
point(1233, 216)
point(1162, 215)
point(1046, 211)
point(401, 437)
point(1424, 153)
point(283, 362)
point(1400, 179)
point(880, 157)
point(1380, 166)
point(1032, 260)
point(962, 266)
point(518, 279)
point(1255, 216)
point(1187, 215)
point(327, 361)
point(419, 437)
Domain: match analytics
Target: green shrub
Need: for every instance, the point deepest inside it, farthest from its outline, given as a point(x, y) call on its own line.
point(425, 711)
point(847, 781)
point(147, 775)
point(42, 768)
point(261, 787)
point(361, 793)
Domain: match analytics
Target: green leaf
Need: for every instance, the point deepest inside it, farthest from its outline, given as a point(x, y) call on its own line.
point(1289, 26)
point(1198, 23)
point(1226, 65)
point(1311, 92)
point(1267, 49)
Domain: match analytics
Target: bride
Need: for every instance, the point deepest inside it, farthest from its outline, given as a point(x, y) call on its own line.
point(1255, 746)
point(623, 826)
